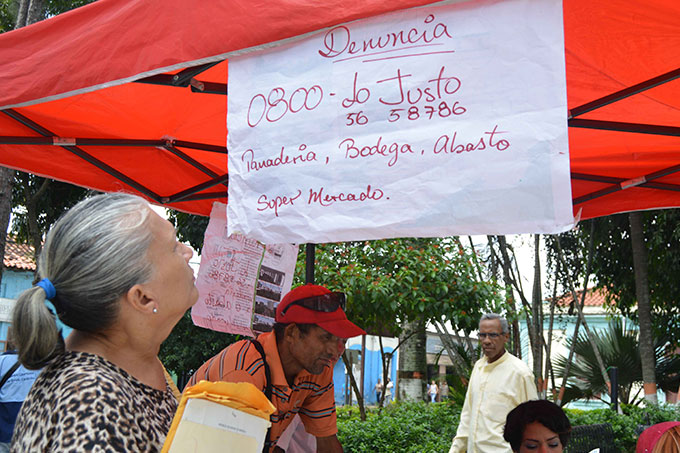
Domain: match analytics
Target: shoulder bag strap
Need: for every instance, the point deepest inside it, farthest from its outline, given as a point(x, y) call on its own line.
point(9, 373)
point(267, 387)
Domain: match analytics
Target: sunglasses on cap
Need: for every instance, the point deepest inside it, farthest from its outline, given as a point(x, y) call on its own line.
point(326, 303)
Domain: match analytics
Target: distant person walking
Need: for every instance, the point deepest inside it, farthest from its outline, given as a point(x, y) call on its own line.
point(15, 383)
point(388, 391)
point(378, 391)
point(432, 391)
point(443, 391)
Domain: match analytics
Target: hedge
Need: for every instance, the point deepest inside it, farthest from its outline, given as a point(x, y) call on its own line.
point(429, 428)
point(401, 427)
point(626, 424)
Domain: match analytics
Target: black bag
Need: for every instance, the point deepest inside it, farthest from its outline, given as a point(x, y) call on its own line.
point(267, 388)
point(9, 373)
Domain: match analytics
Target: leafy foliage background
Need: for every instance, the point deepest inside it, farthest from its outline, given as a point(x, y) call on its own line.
point(430, 428)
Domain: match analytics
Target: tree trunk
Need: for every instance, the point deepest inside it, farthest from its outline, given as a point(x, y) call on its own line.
point(513, 284)
point(413, 362)
point(29, 11)
point(548, 363)
point(6, 183)
point(386, 358)
point(475, 259)
point(644, 305)
point(32, 212)
point(445, 337)
point(581, 317)
point(386, 361)
point(536, 314)
point(355, 387)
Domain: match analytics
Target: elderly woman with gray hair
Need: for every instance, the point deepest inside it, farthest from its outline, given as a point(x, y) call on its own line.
point(114, 271)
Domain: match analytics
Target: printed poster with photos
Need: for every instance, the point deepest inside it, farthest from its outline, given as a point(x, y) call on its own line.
point(240, 281)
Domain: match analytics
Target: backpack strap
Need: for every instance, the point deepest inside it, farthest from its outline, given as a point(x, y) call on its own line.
point(267, 387)
point(9, 373)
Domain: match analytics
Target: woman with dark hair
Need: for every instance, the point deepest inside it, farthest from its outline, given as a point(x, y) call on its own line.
point(113, 270)
point(537, 426)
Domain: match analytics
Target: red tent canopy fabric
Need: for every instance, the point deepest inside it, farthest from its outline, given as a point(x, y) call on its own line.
point(131, 95)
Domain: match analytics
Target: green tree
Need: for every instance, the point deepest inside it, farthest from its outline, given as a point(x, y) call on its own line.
point(635, 259)
point(614, 265)
point(189, 346)
point(614, 270)
point(38, 203)
point(8, 14)
point(190, 228)
point(390, 282)
point(17, 14)
point(54, 7)
point(13, 13)
point(637, 255)
point(619, 348)
point(393, 282)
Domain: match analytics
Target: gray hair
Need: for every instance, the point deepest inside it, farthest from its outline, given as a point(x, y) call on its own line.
point(93, 255)
point(493, 316)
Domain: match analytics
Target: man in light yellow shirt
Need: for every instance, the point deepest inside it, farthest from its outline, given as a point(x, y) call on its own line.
point(498, 383)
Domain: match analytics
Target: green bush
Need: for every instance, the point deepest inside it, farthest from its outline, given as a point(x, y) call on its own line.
point(625, 425)
point(402, 427)
point(429, 428)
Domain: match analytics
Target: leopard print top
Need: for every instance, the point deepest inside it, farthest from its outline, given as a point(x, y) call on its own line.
point(82, 402)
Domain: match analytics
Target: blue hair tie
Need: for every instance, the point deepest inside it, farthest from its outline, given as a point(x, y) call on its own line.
point(50, 291)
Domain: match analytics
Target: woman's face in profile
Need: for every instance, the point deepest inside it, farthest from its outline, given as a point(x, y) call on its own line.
point(539, 439)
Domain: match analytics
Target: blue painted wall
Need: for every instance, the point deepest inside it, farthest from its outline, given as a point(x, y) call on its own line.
point(14, 283)
point(565, 323)
point(372, 372)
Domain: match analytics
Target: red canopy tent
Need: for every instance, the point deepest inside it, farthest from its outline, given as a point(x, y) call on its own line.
point(131, 95)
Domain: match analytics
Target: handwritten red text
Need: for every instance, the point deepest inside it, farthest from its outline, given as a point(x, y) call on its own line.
point(437, 89)
point(392, 151)
point(278, 103)
point(324, 199)
point(428, 111)
point(264, 203)
point(338, 40)
point(252, 164)
point(447, 144)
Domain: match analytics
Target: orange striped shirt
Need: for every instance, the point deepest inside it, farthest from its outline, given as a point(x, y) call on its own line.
point(311, 396)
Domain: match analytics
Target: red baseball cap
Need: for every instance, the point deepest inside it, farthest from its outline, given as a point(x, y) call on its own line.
point(335, 322)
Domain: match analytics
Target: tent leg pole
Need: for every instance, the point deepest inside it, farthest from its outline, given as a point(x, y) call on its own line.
point(309, 263)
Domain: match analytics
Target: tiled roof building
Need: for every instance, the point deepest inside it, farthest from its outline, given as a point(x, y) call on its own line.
point(17, 276)
point(595, 297)
point(18, 256)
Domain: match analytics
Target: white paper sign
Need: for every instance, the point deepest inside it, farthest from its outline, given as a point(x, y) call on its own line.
point(207, 426)
point(432, 121)
point(240, 281)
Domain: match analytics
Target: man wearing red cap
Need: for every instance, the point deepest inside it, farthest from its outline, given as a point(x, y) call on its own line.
point(299, 355)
